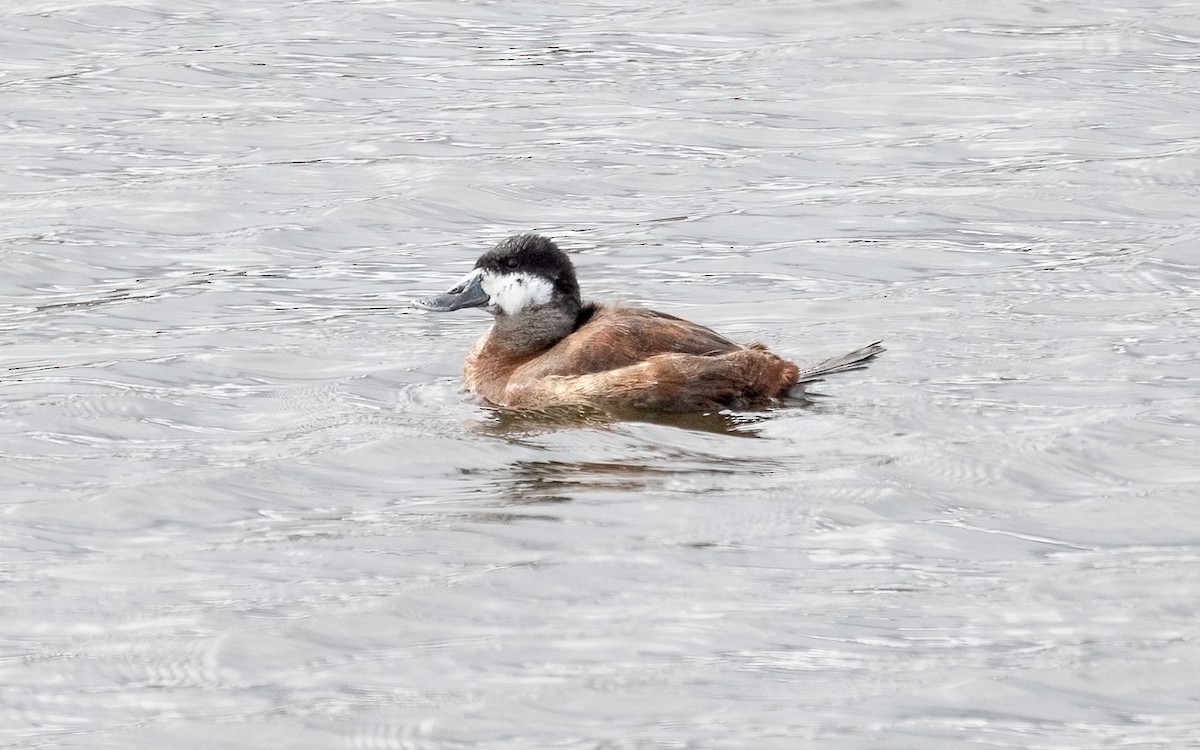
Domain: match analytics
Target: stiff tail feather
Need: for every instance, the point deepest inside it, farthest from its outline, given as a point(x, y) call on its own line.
point(855, 360)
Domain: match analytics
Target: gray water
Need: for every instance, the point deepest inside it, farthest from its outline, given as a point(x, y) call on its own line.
point(246, 503)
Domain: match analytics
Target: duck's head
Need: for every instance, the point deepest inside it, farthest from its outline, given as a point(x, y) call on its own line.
point(523, 274)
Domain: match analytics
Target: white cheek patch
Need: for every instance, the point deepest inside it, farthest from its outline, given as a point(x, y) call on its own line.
point(513, 292)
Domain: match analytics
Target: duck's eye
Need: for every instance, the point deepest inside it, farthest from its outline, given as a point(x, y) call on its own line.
point(510, 262)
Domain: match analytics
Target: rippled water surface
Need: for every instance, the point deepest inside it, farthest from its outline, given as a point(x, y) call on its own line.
point(246, 504)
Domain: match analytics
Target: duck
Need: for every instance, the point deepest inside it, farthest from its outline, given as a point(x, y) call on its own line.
point(549, 348)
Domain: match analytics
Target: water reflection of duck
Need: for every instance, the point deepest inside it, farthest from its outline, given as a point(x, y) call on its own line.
point(549, 348)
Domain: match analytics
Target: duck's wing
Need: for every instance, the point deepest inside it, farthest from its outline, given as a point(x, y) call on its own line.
point(671, 335)
point(616, 337)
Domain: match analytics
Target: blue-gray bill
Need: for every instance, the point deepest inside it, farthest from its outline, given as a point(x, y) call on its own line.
point(468, 293)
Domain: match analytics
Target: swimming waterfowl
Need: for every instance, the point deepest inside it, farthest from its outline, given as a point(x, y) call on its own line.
point(548, 348)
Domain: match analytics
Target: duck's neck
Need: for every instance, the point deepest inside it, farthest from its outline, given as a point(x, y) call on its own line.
point(535, 330)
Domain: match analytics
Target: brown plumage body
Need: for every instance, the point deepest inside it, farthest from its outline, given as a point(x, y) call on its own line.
point(548, 349)
point(627, 357)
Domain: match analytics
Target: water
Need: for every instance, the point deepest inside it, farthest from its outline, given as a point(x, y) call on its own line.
point(246, 504)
